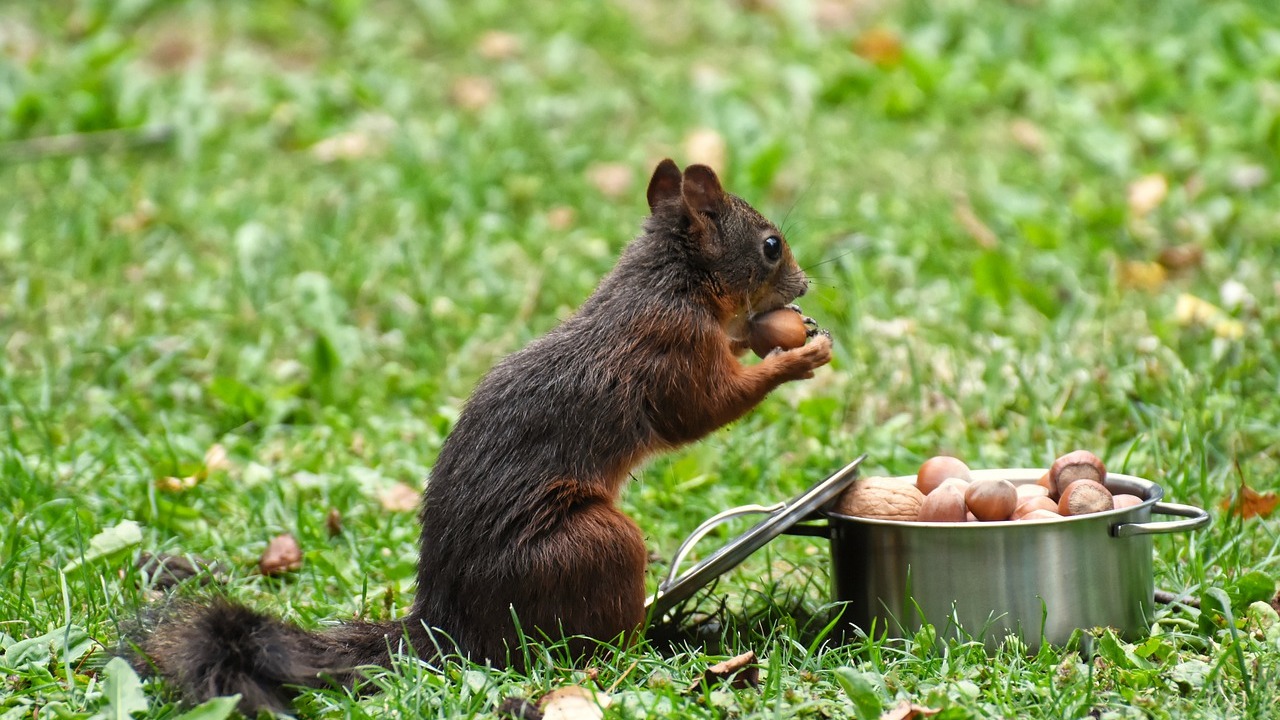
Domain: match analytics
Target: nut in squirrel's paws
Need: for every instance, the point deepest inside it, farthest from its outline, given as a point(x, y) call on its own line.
point(784, 328)
point(802, 361)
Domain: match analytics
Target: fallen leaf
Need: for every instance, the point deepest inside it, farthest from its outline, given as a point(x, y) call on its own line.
point(1146, 193)
point(561, 217)
point(333, 522)
point(1247, 177)
point(573, 703)
point(282, 555)
point(400, 498)
point(473, 92)
point(1178, 258)
point(740, 671)
point(519, 709)
point(1027, 135)
point(611, 179)
point(176, 484)
point(974, 226)
point(124, 534)
point(909, 711)
point(351, 145)
point(215, 458)
point(1140, 275)
point(706, 146)
point(1251, 503)
point(498, 45)
point(165, 570)
point(880, 46)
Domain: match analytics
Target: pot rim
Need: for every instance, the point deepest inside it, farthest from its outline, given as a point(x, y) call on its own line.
point(1150, 492)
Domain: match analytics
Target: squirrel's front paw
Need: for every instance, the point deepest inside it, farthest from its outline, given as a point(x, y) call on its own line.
point(802, 361)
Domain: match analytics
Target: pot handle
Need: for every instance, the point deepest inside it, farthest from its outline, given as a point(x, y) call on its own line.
point(707, 526)
point(1196, 519)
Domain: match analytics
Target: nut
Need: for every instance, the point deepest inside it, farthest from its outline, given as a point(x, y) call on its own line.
point(881, 498)
point(1047, 484)
point(1040, 515)
point(936, 469)
point(945, 504)
point(1029, 505)
point(1125, 500)
point(991, 500)
point(1077, 465)
point(1030, 490)
point(782, 328)
point(952, 482)
point(1083, 497)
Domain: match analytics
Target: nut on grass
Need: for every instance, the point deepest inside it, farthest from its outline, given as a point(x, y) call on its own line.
point(782, 328)
point(881, 498)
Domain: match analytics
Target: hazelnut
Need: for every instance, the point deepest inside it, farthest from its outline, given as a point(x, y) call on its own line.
point(991, 500)
point(970, 517)
point(1040, 515)
point(782, 328)
point(945, 504)
point(1125, 500)
point(957, 483)
point(1032, 504)
point(1047, 484)
point(1030, 490)
point(881, 498)
point(937, 469)
point(1077, 465)
point(1083, 497)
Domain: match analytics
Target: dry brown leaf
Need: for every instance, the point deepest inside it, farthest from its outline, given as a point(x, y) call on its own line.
point(519, 709)
point(1178, 258)
point(974, 226)
point(282, 555)
point(399, 498)
point(708, 147)
point(740, 671)
point(561, 217)
point(909, 711)
point(1027, 135)
point(473, 92)
point(880, 46)
point(611, 179)
point(1146, 193)
point(573, 703)
point(1139, 275)
point(498, 45)
point(1251, 503)
point(333, 522)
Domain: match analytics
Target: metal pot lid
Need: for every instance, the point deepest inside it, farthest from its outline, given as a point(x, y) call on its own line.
point(781, 516)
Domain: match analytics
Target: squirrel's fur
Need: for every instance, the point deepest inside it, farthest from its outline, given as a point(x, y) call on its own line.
point(520, 516)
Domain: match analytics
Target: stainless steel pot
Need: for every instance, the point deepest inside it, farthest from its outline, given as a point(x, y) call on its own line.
point(1041, 580)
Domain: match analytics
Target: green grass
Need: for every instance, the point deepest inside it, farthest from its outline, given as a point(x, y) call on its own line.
point(324, 320)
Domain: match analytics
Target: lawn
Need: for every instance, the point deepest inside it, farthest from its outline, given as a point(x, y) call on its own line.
point(257, 309)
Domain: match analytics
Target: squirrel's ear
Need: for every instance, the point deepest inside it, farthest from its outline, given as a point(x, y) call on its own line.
point(701, 189)
point(665, 183)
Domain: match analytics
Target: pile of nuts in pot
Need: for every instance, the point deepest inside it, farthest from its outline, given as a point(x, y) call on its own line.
point(944, 492)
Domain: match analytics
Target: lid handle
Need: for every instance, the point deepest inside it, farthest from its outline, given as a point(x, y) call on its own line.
point(707, 526)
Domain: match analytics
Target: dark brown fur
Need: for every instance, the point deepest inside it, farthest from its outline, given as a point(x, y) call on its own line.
point(520, 514)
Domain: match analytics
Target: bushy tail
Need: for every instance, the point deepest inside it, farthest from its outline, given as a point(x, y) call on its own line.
point(222, 648)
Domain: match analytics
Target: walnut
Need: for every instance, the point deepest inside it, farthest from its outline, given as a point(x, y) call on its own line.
point(881, 498)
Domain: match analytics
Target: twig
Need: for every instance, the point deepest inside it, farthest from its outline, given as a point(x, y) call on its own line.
point(85, 143)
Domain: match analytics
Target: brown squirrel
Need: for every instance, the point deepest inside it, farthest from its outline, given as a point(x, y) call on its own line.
point(520, 519)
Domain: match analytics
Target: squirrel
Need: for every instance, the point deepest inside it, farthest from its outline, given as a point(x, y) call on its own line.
point(521, 531)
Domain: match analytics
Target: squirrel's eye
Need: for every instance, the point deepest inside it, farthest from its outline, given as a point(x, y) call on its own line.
point(772, 248)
